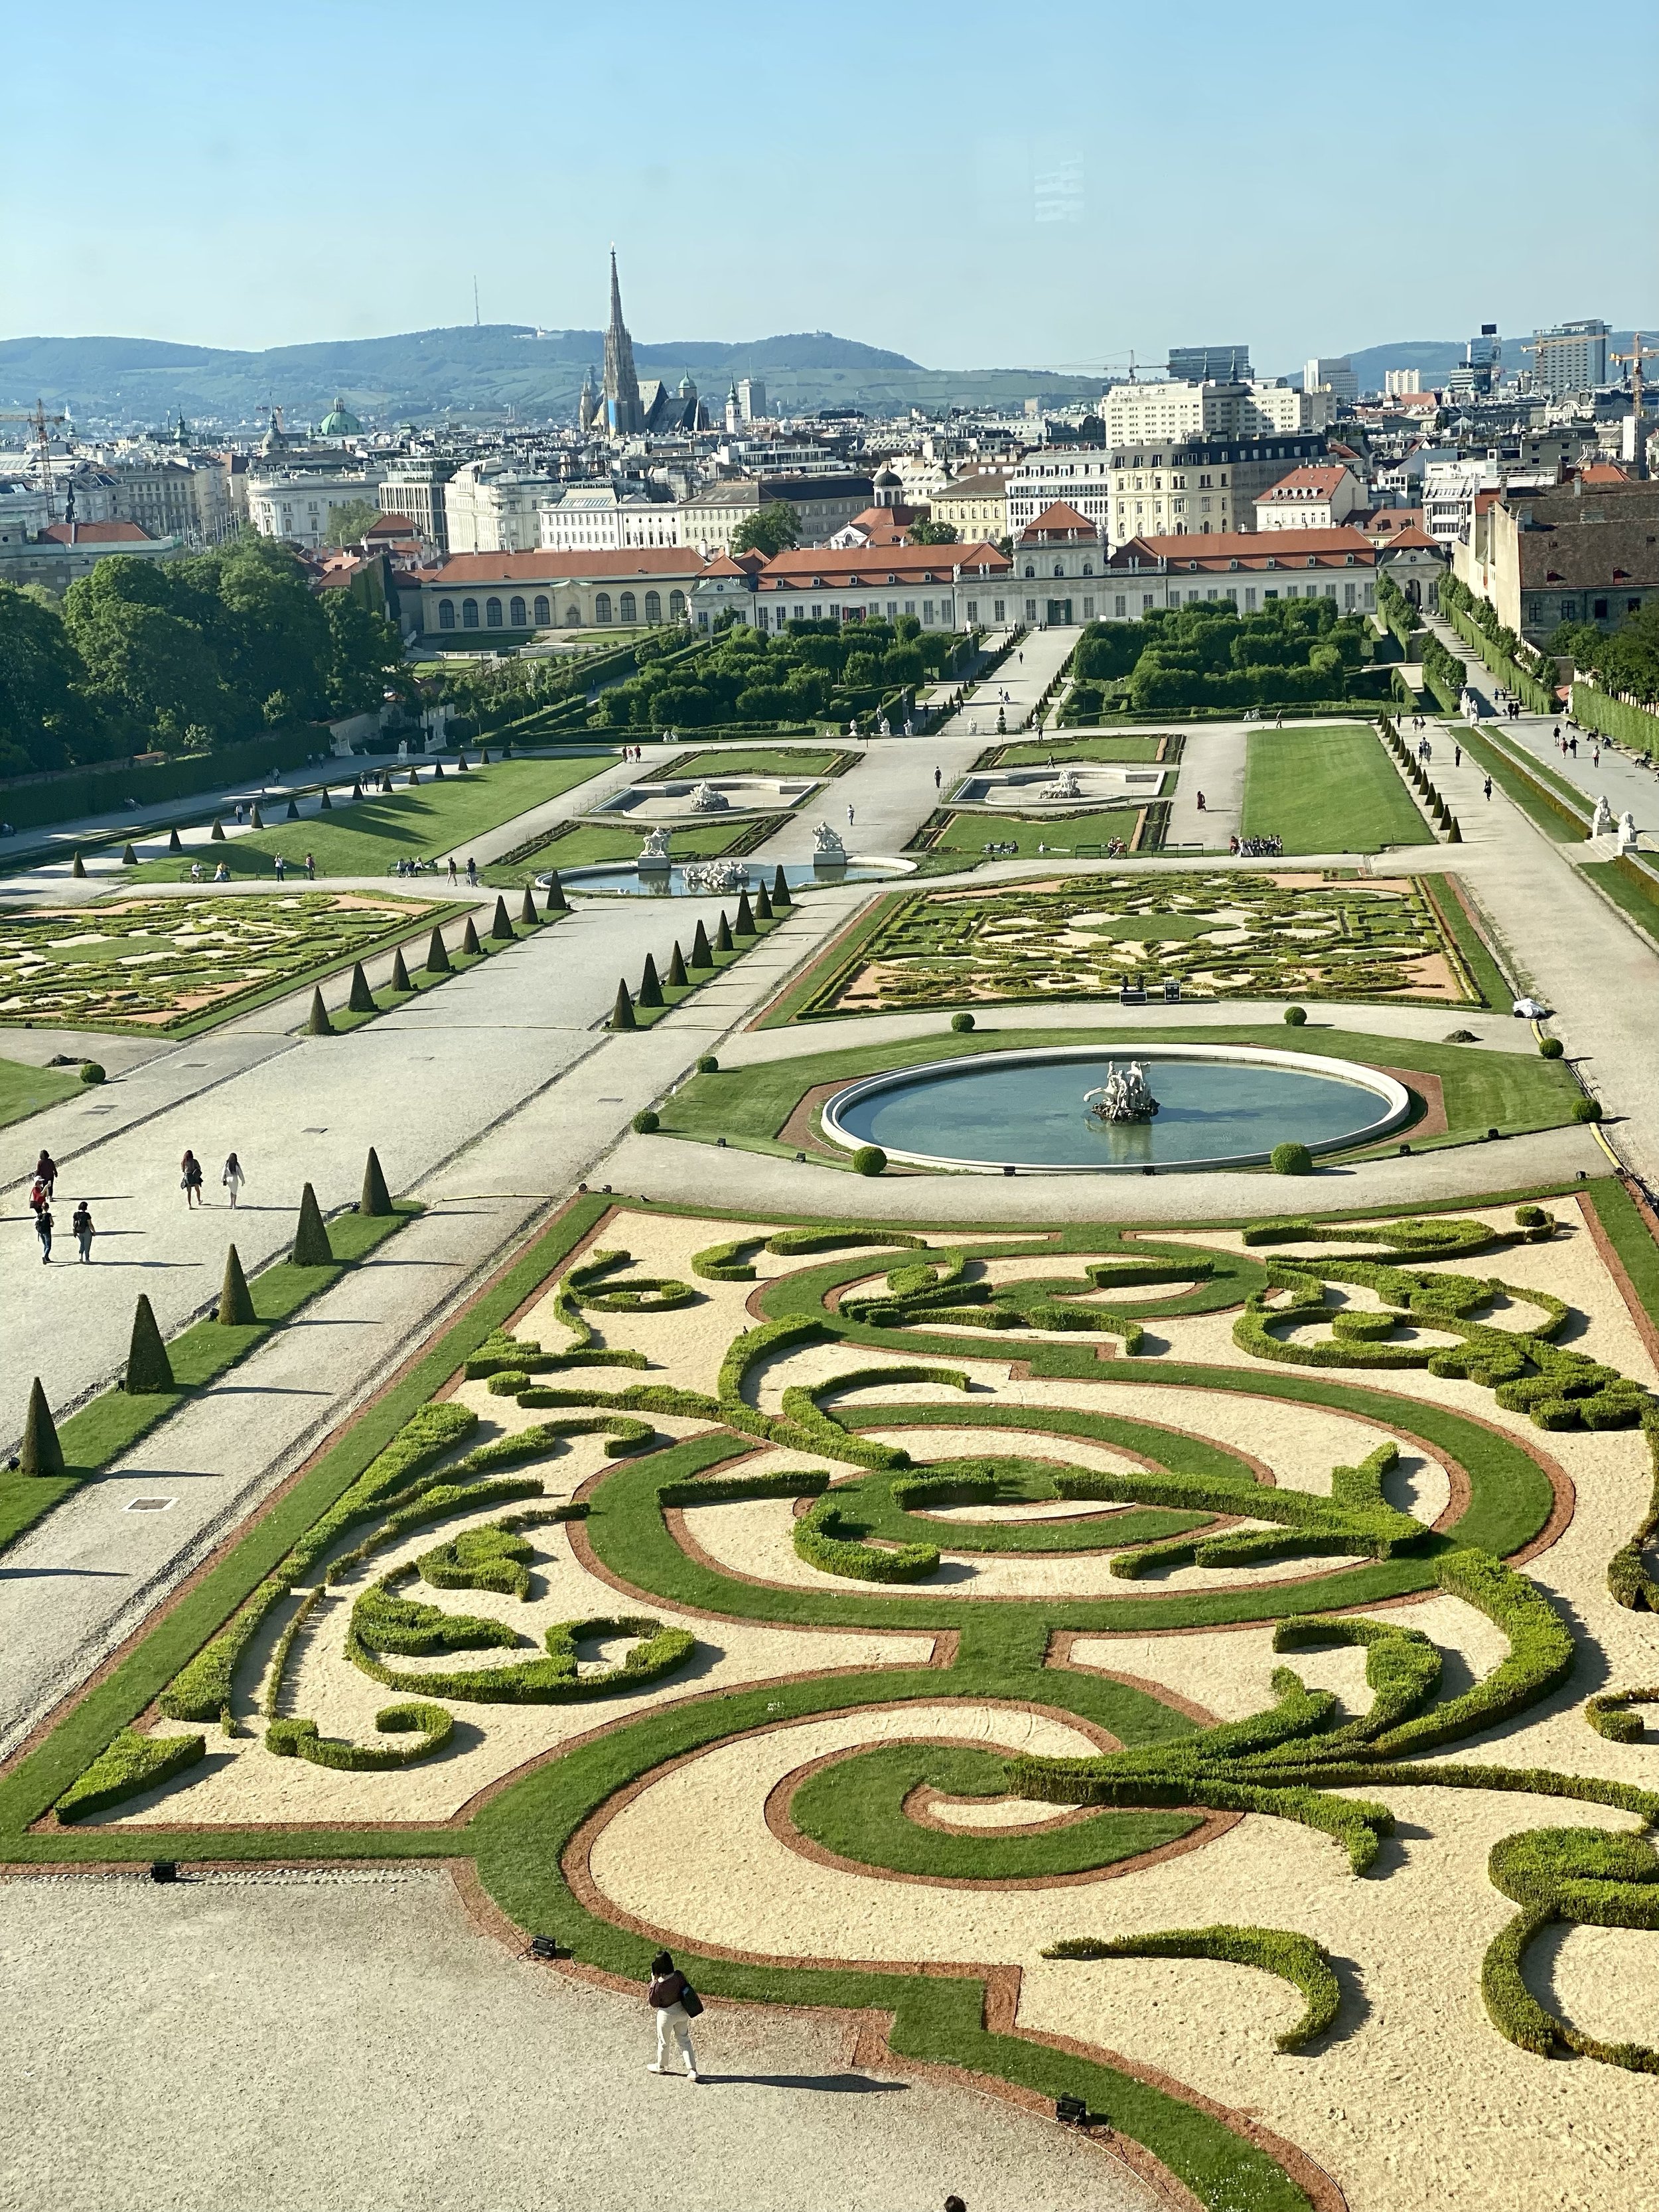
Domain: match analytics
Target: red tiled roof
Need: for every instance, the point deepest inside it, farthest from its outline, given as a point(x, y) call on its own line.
point(1060, 518)
point(97, 533)
point(1304, 484)
point(393, 525)
point(464, 570)
point(869, 568)
point(1602, 472)
point(1413, 536)
point(1250, 549)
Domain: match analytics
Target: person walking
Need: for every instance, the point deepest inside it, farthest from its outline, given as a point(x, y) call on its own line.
point(46, 1172)
point(43, 1228)
point(190, 1179)
point(1202, 807)
point(1488, 786)
point(471, 872)
point(666, 1993)
point(1457, 755)
point(311, 869)
point(81, 1223)
point(452, 872)
point(280, 865)
point(939, 778)
point(233, 1178)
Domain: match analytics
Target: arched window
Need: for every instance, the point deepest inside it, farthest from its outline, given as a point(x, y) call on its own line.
point(492, 614)
point(543, 611)
point(573, 617)
point(653, 606)
point(677, 605)
point(469, 614)
point(1030, 570)
point(629, 612)
point(445, 614)
point(1060, 568)
point(601, 606)
point(516, 611)
point(1088, 567)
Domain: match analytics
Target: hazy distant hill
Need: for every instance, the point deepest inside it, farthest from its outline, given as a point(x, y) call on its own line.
point(422, 374)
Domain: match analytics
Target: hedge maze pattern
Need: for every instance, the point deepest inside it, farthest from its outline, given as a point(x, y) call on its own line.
point(1222, 936)
point(728, 1490)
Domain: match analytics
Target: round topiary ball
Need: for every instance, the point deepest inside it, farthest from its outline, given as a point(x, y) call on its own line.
point(1292, 1159)
point(1295, 1017)
point(709, 1065)
point(1586, 1109)
point(869, 1159)
point(646, 1122)
point(961, 1022)
point(91, 1071)
point(1550, 1048)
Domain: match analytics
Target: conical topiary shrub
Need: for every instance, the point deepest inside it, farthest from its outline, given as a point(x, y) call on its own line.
point(235, 1299)
point(762, 905)
point(745, 924)
point(399, 973)
point(414, 779)
point(174, 843)
point(437, 959)
point(527, 908)
point(555, 899)
point(650, 988)
point(129, 858)
point(622, 1014)
point(461, 762)
point(78, 866)
point(293, 810)
point(42, 1454)
point(701, 956)
point(317, 1024)
point(483, 757)
point(469, 937)
point(311, 1246)
point(499, 927)
point(780, 890)
point(677, 978)
point(438, 772)
point(148, 1368)
point(1454, 835)
point(216, 834)
point(723, 935)
point(325, 805)
point(376, 1199)
point(362, 1000)
point(256, 820)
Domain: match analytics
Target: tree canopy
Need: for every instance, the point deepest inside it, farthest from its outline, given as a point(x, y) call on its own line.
point(771, 529)
point(932, 533)
point(349, 525)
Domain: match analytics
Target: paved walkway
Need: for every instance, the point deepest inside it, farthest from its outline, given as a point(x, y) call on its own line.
point(1024, 676)
point(235, 2042)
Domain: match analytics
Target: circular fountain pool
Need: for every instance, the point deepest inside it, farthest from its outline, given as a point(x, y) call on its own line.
point(1219, 1106)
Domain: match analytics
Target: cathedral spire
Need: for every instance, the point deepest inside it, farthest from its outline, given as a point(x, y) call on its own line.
point(622, 385)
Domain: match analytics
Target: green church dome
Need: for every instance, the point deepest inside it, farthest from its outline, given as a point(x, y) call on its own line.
point(340, 422)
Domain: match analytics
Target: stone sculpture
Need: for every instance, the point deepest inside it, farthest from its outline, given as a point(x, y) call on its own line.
point(654, 854)
point(826, 843)
point(1601, 826)
point(1123, 1096)
point(705, 799)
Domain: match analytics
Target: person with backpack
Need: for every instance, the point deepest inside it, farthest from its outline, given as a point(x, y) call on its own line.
point(676, 2004)
point(43, 1228)
point(81, 1223)
point(45, 1172)
point(190, 1179)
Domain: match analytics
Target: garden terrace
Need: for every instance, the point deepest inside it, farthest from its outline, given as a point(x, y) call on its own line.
point(1208, 657)
point(963, 1651)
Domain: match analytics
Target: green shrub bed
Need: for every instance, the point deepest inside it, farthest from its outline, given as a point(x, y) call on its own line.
point(431, 1725)
point(1295, 1958)
point(133, 1762)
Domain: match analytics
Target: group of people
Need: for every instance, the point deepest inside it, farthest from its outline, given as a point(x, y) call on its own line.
point(1568, 746)
point(1255, 848)
point(41, 1198)
point(232, 1176)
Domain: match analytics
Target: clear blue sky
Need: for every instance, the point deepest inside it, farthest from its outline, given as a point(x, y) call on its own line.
point(971, 184)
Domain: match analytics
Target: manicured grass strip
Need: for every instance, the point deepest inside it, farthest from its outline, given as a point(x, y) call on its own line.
point(754, 760)
point(365, 836)
point(855, 1807)
point(1628, 1233)
point(1032, 834)
point(1444, 896)
point(25, 1091)
point(1510, 1091)
point(844, 953)
point(675, 994)
point(1065, 746)
point(1553, 815)
point(114, 1423)
point(1632, 889)
point(584, 844)
point(1327, 790)
point(26, 1791)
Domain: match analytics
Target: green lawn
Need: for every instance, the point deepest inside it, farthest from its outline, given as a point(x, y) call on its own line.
point(755, 760)
point(1510, 1091)
point(1061, 833)
point(1063, 747)
point(1641, 905)
point(584, 844)
point(364, 837)
point(25, 1091)
point(1326, 789)
point(1565, 820)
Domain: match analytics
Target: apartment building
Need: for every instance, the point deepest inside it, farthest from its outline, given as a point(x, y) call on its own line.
point(1309, 499)
point(1247, 571)
point(1199, 485)
point(1141, 414)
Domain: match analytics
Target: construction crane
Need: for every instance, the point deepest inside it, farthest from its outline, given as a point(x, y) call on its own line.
point(42, 423)
point(1635, 357)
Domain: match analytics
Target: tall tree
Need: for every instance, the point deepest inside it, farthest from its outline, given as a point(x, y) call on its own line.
point(349, 525)
point(364, 653)
point(771, 529)
point(44, 718)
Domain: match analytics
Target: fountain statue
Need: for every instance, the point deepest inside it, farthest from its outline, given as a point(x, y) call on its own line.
point(826, 844)
point(1065, 785)
point(1123, 1096)
point(1602, 825)
point(707, 799)
point(714, 876)
point(1627, 833)
point(654, 854)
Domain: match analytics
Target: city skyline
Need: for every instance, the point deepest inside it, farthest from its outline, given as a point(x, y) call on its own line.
point(1016, 239)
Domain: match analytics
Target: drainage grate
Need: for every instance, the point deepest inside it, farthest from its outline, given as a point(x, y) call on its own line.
point(149, 1504)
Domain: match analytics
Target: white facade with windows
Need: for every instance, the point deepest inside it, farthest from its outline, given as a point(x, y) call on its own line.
point(1246, 570)
point(597, 518)
point(525, 592)
point(299, 508)
point(1143, 414)
point(493, 507)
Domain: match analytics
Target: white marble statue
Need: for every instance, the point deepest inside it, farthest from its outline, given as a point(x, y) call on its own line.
point(654, 854)
point(1627, 833)
point(1065, 785)
point(826, 843)
point(1601, 826)
point(707, 799)
point(1123, 1096)
point(714, 876)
